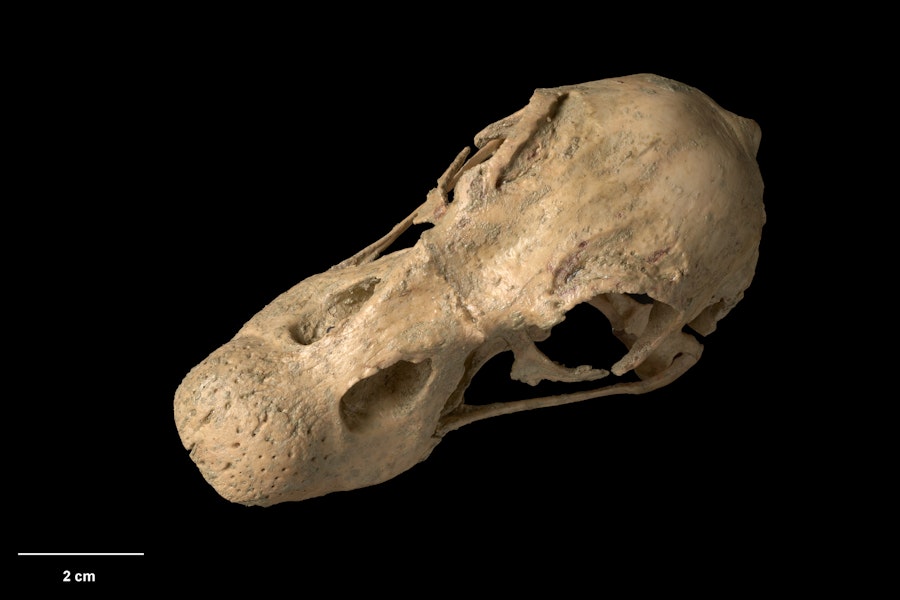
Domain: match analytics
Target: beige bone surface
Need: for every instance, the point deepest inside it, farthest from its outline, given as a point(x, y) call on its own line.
point(638, 195)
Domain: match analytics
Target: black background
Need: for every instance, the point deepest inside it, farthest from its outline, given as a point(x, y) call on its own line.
point(180, 177)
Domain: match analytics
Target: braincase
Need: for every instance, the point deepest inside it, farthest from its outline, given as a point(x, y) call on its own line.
point(658, 184)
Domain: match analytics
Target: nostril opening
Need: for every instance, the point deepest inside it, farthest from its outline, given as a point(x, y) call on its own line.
point(386, 395)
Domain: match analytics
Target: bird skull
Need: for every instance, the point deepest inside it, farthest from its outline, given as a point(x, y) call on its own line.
point(638, 195)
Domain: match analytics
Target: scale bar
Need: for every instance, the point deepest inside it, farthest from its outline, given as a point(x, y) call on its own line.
point(81, 554)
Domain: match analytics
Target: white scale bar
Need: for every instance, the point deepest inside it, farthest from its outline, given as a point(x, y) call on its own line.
point(81, 554)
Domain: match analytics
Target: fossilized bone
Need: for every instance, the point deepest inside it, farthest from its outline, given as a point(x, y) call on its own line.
point(606, 193)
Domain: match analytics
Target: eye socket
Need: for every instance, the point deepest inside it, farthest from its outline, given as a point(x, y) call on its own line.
point(641, 298)
point(584, 337)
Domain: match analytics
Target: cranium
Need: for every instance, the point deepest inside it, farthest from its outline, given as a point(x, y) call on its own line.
point(637, 195)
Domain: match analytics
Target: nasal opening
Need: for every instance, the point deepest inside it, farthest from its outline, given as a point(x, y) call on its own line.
point(388, 395)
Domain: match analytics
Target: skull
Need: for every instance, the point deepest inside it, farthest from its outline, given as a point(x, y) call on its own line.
point(637, 195)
